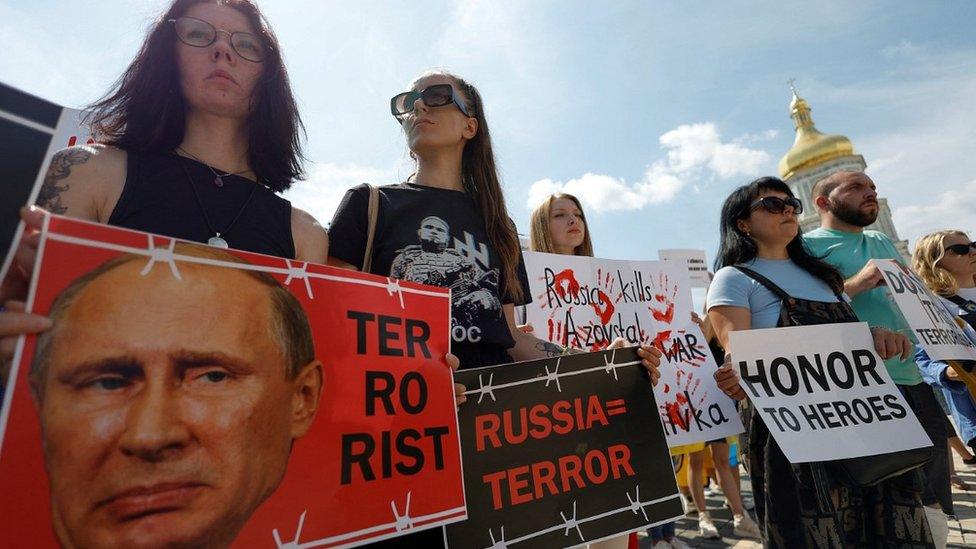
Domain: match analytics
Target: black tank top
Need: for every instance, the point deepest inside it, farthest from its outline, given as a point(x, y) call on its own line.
point(157, 198)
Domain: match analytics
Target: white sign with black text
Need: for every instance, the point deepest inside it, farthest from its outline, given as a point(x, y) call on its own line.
point(823, 392)
point(931, 323)
point(693, 260)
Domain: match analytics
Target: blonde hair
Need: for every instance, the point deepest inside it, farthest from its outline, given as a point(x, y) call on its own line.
point(540, 240)
point(929, 250)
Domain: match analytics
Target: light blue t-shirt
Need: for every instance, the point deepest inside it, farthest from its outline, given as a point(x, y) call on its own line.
point(733, 288)
point(849, 253)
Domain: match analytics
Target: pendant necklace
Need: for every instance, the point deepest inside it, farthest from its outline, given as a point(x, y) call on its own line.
point(218, 178)
point(216, 241)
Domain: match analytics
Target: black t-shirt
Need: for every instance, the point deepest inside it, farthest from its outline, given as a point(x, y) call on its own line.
point(435, 236)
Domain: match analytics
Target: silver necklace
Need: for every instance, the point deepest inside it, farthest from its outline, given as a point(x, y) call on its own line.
point(218, 178)
point(216, 241)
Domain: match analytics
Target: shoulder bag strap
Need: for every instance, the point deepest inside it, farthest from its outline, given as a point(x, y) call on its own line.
point(372, 213)
point(777, 291)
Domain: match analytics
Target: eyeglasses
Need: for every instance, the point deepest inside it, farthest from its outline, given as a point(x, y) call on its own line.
point(437, 95)
point(200, 34)
point(777, 205)
point(961, 249)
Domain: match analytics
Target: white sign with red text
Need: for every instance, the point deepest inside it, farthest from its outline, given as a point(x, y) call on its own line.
point(586, 303)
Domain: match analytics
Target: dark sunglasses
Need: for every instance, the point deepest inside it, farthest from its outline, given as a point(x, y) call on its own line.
point(777, 205)
point(961, 249)
point(200, 34)
point(437, 95)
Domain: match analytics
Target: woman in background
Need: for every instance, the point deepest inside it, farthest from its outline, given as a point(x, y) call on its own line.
point(558, 226)
point(448, 226)
point(946, 262)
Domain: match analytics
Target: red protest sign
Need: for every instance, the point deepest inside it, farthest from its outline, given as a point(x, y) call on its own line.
point(190, 395)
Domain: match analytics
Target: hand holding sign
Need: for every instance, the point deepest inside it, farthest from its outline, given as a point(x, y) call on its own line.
point(889, 344)
point(868, 278)
point(18, 278)
point(651, 360)
point(728, 380)
point(824, 393)
point(14, 322)
point(453, 362)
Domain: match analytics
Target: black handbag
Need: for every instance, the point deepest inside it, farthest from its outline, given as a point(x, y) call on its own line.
point(862, 471)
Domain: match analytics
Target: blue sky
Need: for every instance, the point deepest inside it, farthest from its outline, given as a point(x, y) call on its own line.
point(651, 111)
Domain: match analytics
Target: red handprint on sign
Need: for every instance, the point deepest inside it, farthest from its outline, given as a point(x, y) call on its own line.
point(678, 409)
point(663, 309)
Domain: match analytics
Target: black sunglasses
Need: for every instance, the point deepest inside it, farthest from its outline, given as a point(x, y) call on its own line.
point(437, 95)
point(200, 34)
point(777, 205)
point(961, 249)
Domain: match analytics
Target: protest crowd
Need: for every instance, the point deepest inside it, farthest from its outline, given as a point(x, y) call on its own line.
point(201, 134)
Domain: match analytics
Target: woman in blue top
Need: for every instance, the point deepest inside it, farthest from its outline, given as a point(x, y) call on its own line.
point(761, 259)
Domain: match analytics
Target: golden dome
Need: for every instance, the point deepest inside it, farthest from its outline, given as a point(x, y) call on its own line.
point(810, 146)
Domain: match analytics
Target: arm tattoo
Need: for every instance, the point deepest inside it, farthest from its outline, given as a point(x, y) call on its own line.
point(50, 196)
point(549, 349)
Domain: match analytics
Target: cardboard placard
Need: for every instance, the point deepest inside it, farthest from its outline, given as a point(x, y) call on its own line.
point(176, 398)
point(925, 313)
point(824, 392)
point(693, 260)
point(587, 302)
point(562, 452)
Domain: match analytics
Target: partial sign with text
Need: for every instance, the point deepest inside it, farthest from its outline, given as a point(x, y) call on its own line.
point(562, 452)
point(932, 324)
point(586, 303)
point(193, 396)
point(823, 392)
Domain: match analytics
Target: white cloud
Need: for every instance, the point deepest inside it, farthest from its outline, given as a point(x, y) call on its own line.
point(327, 183)
point(767, 135)
point(694, 152)
point(954, 209)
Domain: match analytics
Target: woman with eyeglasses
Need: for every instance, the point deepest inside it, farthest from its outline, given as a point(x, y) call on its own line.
point(196, 139)
point(448, 226)
point(946, 262)
point(766, 278)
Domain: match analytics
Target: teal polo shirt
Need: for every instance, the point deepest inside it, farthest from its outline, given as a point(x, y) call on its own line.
point(849, 252)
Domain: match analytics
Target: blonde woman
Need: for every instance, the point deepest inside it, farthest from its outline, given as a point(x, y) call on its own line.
point(946, 261)
point(558, 226)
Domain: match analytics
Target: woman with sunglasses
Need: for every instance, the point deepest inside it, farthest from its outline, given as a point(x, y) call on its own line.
point(764, 271)
point(946, 262)
point(448, 226)
point(196, 139)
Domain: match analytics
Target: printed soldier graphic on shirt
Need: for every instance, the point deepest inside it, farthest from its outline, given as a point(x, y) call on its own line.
point(462, 267)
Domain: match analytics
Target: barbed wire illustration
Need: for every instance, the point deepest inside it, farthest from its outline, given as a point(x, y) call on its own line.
point(291, 271)
point(572, 522)
point(610, 366)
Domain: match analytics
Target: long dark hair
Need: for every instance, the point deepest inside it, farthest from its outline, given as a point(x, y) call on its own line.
point(479, 175)
point(145, 110)
point(736, 248)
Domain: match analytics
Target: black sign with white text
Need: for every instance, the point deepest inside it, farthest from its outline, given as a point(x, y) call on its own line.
point(562, 452)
